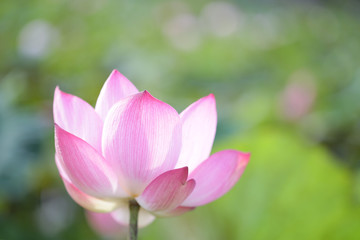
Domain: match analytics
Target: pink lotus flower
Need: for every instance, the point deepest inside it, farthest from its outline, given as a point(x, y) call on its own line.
point(134, 146)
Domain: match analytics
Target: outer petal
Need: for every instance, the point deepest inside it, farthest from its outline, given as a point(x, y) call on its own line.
point(77, 117)
point(87, 201)
point(175, 212)
point(198, 132)
point(60, 168)
point(215, 176)
point(141, 140)
point(115, 88)
point(106, 225)
point(82, 164)
point(167, 191)
point(122, 216)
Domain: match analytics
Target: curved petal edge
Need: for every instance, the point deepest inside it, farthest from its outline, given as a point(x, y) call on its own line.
point(216, 176)
point(84, 166)
point(77, 117)
point(116, 87)
point(198, 132)
point(89, 202)
point(167, 191)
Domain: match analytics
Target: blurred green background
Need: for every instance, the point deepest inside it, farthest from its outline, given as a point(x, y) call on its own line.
point(286, 77)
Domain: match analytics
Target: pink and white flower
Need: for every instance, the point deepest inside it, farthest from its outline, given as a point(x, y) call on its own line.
point(134, 146)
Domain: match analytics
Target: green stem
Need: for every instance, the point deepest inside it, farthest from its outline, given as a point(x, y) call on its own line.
point(134, 213)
